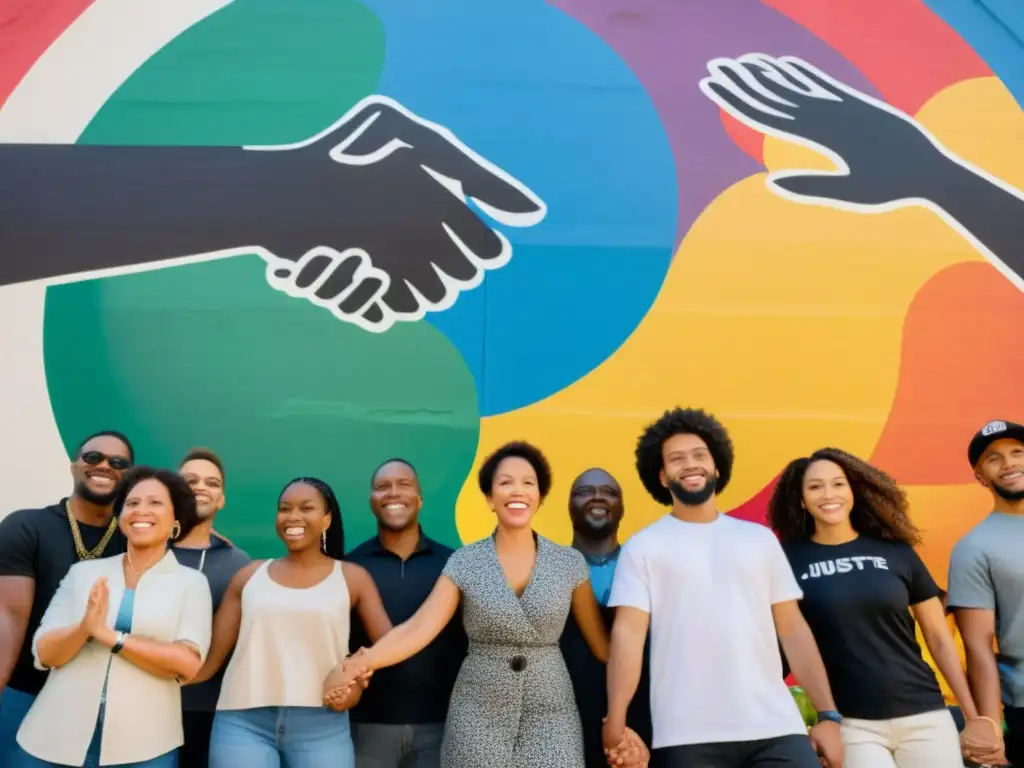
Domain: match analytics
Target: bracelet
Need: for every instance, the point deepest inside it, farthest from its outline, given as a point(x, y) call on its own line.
point(990, 721)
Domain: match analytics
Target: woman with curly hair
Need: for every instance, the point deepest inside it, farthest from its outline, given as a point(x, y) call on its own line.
point(845, 528)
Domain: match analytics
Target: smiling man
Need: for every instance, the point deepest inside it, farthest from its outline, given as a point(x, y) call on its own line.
point(715, 593)
point(37, 548)
point(596, 508)
point(986, 584)
point(217, 559)
point(399, 721)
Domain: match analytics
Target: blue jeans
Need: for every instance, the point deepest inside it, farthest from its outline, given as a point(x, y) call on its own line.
point(276, 737)
point(14, 706)
point(92, 756)
point(398, 746)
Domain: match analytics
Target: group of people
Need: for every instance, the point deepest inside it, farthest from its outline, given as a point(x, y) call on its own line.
point(132, 634)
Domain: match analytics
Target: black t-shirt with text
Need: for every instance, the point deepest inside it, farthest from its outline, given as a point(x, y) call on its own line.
point(857, 599)
point(37, 543)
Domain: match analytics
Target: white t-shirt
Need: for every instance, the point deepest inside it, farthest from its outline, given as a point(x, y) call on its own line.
point(716, 673)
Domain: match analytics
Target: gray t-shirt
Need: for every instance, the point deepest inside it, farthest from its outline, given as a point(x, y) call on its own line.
point(986, 571)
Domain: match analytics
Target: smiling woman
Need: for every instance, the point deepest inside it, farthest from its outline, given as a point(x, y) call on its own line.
point(148, 619)
point(516, 589)
point(295, 610)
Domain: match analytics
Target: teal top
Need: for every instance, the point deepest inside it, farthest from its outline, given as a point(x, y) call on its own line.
point(123, 623)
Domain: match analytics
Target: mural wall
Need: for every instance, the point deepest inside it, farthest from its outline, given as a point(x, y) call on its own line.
point(317, 234)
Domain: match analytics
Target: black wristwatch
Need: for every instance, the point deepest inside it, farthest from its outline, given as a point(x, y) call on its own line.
point(830, 716)
point(119, 639)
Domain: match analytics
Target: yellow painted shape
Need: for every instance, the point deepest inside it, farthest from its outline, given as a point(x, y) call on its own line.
point(783, 319)
point(944, 513)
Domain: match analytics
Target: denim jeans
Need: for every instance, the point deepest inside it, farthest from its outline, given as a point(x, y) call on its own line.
point(398, 746)
point(14, 705)
point(271, 737)
point(92, 756)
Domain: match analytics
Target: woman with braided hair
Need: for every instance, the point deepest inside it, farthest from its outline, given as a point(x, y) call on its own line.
point(288, 623)
point(845, 528)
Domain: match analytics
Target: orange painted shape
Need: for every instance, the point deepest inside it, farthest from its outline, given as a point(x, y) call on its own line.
point(944, 513)
point(961, 364)
point(903, 48)
point(747, 139)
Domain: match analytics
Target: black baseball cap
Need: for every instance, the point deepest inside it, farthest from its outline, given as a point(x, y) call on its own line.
point(994, 430)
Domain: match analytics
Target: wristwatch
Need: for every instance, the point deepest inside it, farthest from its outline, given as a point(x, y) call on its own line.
point(831, 716)
point(119, 639)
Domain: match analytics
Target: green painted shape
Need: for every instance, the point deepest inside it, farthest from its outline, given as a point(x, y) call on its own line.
point(254, 72)
point(209, 354)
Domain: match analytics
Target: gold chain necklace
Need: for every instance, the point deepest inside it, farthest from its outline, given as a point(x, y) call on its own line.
point(76, 534)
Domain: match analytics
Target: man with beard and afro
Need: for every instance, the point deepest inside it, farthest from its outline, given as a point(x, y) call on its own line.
point(716, 593)
point(986, 585)
point(399, 721)
point(596, 508)
point(37, 548)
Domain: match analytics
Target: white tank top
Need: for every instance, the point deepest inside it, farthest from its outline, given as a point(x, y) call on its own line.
point(288, 642)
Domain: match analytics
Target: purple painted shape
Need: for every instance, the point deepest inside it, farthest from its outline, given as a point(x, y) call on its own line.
point(667, 44)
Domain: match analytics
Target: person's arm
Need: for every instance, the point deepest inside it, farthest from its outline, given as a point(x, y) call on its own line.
point(971, 596)
point(587, 614)
point(631, 597)
point(18, 544)
point(63, 631)
point(179, 659)
point(226, 624)
point(802, 652)
point(625, 663)
point(412, 636)
point(366, 601)
point(978, 629)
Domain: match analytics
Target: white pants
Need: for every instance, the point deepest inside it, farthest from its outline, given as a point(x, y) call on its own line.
point(919, 741)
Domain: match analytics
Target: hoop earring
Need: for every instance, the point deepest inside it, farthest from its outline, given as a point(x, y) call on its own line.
point(323, 541)
point(175, 530)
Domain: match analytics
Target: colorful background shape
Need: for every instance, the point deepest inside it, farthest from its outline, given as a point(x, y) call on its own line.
point(665, 272)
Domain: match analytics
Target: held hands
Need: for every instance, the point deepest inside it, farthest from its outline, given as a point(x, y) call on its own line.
point(982, 742)
point(828, 743)
point(346, 682)
point(623, 747)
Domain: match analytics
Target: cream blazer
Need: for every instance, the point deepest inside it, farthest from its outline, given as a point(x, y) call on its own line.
point(143, 712)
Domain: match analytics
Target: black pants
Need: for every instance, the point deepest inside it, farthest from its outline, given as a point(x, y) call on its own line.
point(1014, 735)
point(792, 751)
point(195, 753)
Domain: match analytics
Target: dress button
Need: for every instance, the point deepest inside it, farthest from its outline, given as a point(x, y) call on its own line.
point(518, 663)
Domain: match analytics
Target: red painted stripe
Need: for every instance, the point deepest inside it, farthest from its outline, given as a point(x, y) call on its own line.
point(901, 46)
point(748, 139)
point(27, 29)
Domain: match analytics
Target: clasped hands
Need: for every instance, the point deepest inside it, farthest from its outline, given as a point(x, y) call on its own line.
point(982, 742)
point(345, 683)
point(623, 747)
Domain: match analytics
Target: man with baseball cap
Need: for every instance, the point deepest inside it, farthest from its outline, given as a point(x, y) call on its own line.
point(986, 585)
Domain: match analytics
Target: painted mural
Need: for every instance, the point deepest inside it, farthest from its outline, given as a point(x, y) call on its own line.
point(317, 234)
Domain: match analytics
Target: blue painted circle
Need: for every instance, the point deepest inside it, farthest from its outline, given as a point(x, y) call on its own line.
point(538, 94)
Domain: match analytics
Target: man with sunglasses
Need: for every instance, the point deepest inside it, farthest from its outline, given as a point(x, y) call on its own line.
point(37, 548)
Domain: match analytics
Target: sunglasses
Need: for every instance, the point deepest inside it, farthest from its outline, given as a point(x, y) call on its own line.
point(92, 458)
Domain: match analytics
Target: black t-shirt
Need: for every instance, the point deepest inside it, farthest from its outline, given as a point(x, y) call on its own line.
point(37, 543)
point(857, 599)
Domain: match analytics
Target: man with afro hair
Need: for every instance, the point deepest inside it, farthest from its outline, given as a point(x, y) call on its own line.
point(717, 594)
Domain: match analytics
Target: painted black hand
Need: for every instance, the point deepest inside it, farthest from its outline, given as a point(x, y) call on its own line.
point(380, 217)
point(397, 237)
point(885, 159)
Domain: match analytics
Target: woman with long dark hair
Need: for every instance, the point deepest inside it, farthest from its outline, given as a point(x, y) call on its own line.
point(287, 621)
point(845, 528)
